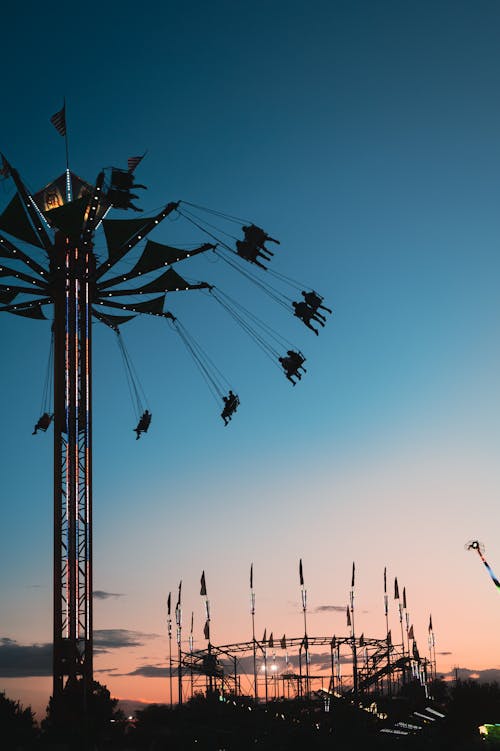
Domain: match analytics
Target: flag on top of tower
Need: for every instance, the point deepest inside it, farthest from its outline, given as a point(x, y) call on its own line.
point(203, 588)
point(169, 601)
point(411, 633)
point(301, 573)
point(206, 630)
point(251, 576)
point(352, 580)
point(283, 642)
point(404, 597)
point(133, 161)
point(58, 120)
point(430, 623)
point(348, 614)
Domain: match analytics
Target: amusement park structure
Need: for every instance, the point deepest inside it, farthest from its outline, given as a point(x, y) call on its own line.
point(353, 667)
point(48, 262)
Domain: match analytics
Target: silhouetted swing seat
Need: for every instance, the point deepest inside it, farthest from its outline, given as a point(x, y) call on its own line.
point(143, 424)
point(43, 423)
point(231, 403)
point(314, 301)
point(292, 364)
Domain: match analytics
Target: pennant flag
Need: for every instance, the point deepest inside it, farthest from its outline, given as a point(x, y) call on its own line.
point(206, 630)
point(301, 573)
point(251, 576)
point(416, 655)
point(59, 121)
point(133, 161)
point(264, 637)
point(4, 167)
point(389, 637)
point(333, 642)
point(203, 589)
point(430, 623)
point(404, 597)
point(385, 580)
point(396, 589)
point(283, 642)
point(410, 633)
point(192, 621)
point(169, 602)
point(271, 640)
point(179, 595)
point(352, 580)
point(348, 616)
point(362, 640)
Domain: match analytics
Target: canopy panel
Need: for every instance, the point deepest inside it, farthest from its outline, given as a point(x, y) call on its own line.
point(170, 281)
point(15, 221)
point(6, 296)
point(118, 231)
point(35, 311)
point(155, 306)
point(156, 255)
point(111, 320)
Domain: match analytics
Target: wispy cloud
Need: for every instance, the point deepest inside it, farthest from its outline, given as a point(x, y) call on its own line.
point(330, 609)
point(35, 660)
point(100, 594)
point(21, 661)
point(117, 638)
point(148, 671)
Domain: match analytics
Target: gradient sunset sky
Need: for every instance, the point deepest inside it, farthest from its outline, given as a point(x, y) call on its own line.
point(365, 136)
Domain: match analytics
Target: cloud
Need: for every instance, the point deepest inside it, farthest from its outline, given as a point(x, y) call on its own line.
point(35, 660)
point(117, 638)
point(99, 594)
point(22, 661)
point(330, 609)
point(148, 671)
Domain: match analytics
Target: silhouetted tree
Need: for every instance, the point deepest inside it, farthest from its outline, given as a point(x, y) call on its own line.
point(81, 718)
point(17, 724)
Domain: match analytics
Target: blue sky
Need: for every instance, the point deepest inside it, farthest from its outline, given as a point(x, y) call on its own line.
point(365, 136)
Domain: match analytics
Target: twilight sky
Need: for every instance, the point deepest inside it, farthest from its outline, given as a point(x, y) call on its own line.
point(365, 136)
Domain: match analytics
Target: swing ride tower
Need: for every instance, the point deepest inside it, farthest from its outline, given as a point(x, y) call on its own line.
point(48, 262)
point(69, 281)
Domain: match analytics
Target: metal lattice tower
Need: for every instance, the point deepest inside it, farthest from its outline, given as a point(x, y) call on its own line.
point(71, 281)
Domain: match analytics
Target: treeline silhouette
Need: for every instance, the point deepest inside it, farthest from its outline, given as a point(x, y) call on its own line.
point(92, 721)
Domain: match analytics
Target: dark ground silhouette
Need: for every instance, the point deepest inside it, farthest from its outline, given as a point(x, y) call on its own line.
point(235, 723)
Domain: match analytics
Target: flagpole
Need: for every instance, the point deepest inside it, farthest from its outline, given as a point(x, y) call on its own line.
point(68, 173)
point(178, 620)
point(353, 636)
point(203, 592)
point(304, 610)
point(401, 607)
point(191, 642)
point(265, 667)
point(386, 610)
point(407, 621)
point(432, 646)
point(332, 660)
point(252, 610)
point(169, 624)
